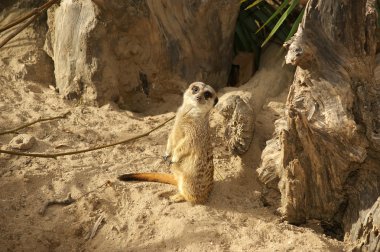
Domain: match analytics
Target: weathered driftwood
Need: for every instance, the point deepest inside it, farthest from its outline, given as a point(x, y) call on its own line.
point(127, 50)
point(238, 121)
point(330, 167)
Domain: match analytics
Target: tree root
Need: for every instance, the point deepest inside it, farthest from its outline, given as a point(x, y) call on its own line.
point(55, 155)
point(68, 201)
point(65, 202)
point(34, 122)
point(33, 15)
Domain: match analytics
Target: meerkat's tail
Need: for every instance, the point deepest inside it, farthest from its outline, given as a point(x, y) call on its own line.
point(150, 177)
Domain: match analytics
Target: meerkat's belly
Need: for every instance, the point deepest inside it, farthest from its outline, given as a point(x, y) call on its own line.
point(195, 179)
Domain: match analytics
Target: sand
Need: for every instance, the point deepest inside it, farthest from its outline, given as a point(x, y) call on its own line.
point(131, 216)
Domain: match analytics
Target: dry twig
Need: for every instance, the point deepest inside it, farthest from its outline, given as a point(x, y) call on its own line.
point(55, 155)
point(64, 202)
point(68, 201)
point(34, 14)
point(34, 122)
point(13, 34)
point(35, 11)
point(96, 227)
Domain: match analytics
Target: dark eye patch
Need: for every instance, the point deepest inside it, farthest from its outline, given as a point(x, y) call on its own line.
point(207, 95)
point(195, 89)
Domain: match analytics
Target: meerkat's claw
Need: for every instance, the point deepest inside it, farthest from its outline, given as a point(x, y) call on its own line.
point(165, 157)
point(167, 160)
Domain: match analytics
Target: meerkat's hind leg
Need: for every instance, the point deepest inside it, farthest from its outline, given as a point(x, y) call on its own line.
point(166, 194)
point(176, 198)
point(172, 196)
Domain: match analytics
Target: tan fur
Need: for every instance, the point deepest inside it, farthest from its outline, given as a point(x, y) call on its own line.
point(189, 146)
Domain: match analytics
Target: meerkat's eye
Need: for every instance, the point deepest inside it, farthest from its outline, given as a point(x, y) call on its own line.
point(207, 94)
point(195, 89)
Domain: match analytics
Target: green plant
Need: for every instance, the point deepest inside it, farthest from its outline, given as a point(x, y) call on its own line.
point(378, 12)
point(289, 6)
point(260, 21)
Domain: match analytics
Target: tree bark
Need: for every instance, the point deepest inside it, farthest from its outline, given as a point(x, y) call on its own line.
point(126, 51)
point(330, 151)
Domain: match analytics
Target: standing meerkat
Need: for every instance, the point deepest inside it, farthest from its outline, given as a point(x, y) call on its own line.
point(189, 149)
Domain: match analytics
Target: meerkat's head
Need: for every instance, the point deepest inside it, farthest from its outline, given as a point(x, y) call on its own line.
point(200, 96)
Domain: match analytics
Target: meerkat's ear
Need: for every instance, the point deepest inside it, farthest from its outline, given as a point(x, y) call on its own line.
point(216, 101)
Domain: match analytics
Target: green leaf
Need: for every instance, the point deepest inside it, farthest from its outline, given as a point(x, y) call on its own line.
point(281, 20)
point(267, 12)
point(244, 42)
point(279, 9)
point(284, 29)
point(260, 16)
point(377, 6)
point(253, 4)
point(295, 25)
point(249, 23)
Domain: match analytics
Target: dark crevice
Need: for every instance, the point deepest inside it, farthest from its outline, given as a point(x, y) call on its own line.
point(333, 229)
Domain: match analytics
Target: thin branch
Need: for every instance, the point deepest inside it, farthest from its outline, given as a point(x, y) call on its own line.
point(37, 12)
point(18, 20)
point(55, 155)
point(64, 202)
point(69, 200)
point(34, 122)
point(108, 183)
point(13, 34)
point(32, 13)
point(96, 227)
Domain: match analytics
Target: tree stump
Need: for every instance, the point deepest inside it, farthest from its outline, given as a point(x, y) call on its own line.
point(125, 51)
point(330, 167)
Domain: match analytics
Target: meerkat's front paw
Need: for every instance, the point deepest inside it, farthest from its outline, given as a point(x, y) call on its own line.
point(165, 157)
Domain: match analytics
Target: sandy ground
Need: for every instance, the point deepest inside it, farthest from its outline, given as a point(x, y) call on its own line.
point(135, 216)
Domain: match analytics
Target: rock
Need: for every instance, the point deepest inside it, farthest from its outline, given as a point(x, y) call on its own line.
point(22, 142)
point(270, 168)
point(367, 233)
point(330, 149)
point(31, 63)
point(39, 68)
point(238, 115)
point(117, 50)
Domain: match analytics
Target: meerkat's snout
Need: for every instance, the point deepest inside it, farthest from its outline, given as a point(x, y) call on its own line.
point(202, 94)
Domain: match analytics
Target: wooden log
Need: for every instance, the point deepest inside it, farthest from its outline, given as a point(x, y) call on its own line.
point(127, 50)
point(330, 152)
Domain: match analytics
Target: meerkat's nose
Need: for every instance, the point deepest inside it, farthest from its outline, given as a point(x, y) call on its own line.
point(198, 97)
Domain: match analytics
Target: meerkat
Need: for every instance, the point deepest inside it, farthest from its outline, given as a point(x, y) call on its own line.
point(189, 149)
